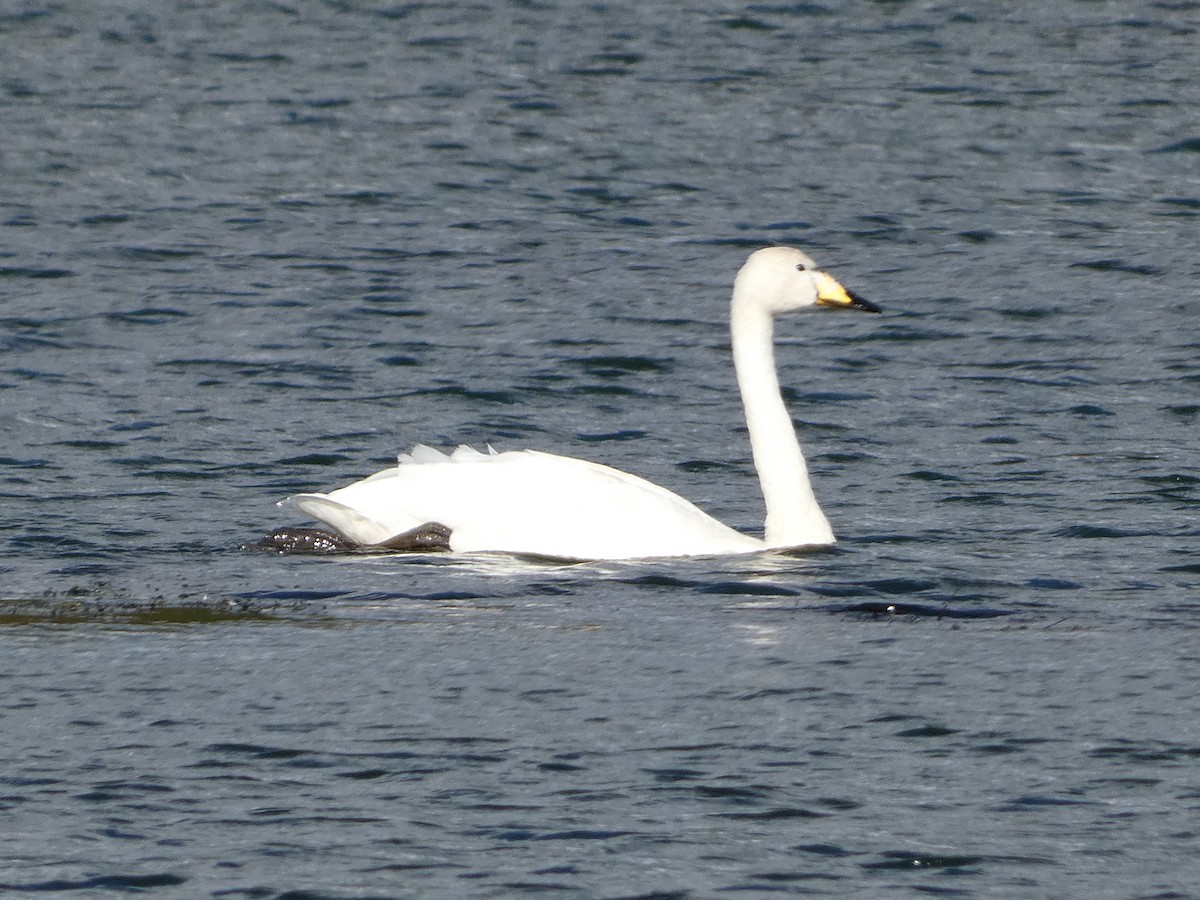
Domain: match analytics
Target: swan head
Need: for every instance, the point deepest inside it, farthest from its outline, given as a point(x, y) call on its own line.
point(782, 279)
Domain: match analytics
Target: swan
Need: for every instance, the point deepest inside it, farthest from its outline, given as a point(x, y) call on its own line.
point(529, 502)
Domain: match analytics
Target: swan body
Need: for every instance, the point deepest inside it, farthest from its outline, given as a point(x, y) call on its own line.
point(529, 502)
point(524, 501)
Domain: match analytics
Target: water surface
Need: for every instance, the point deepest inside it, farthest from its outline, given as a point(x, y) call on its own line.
point(253, 249)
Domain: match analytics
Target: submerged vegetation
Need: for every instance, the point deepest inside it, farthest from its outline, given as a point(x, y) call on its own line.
point(78, 606)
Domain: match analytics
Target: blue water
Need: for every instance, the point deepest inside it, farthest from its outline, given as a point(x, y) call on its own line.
point(253, 249)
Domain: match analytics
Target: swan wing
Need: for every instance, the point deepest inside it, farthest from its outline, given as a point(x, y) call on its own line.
point(524, 501)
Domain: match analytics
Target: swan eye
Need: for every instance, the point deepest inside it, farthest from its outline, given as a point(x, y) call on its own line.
point(800, 267)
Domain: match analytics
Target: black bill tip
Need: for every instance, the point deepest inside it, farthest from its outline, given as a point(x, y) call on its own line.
point(858, 302)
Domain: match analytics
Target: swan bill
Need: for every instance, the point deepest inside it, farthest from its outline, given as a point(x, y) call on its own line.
point(831, 293)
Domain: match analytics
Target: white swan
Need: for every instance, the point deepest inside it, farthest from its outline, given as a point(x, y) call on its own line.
point(523, 501)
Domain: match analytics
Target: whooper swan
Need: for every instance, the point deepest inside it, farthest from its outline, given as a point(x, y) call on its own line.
point(528, 502)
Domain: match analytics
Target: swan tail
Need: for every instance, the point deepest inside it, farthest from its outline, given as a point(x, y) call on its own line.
point(346, 521)
point(422, 454)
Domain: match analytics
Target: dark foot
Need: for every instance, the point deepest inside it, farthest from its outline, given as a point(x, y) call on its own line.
point(432, 537)
point(301, 540)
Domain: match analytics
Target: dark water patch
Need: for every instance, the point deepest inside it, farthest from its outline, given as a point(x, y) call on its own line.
point(999, 748)
point(778, 692)
point(1147, 753)
point(749, 243)
point(908, 860)
point(747, 23)
point(136, 425)
point(81, 609)
point(162, 468)
point(530, 833)
point(86, 445)
point(1029, 313)
point(830, 851)
point(777, 814)
point(978, 235)
point(1188, 203)
point(1187, 145)
point(62, 546)
point(121, 792)
point(33, 272)
point(504, 397)
point(978, 498)
point(1133, 783)
point(532, 104)
point(1035, 802)
point(788, 225)
point(828, 397)
point(1175, 479)
point(780, 882)
point(315, 460)
point(149, 315)
point(132, 884)
point(157, 254)
point(399, 360)
point(603, 437)
point(901, 585)
point(256, 751)
point(9, 462)
point(1090, 410)
point(883, 539)
point(396, 312)
point(656, 580)
point(1183, 410)
point(617, 366)
point(330, 267)
point(615, 391)
point(1116, 265)
point(368, 198)
point(561, 767)
point(708, 465)
point(291, 595)
point(252, 367)
point(29, 341)
point(272, 59)
point(1099, 532)
point(839, 804)
point(747, 589)
point(905, 861)
point(731, 793)
point(1053, 584)
point(672, 775)
point(927, 731)
point(20, 781)
point(930, 475)
point(886, 609)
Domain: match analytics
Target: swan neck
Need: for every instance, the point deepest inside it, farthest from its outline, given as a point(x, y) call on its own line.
point(794, 517)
